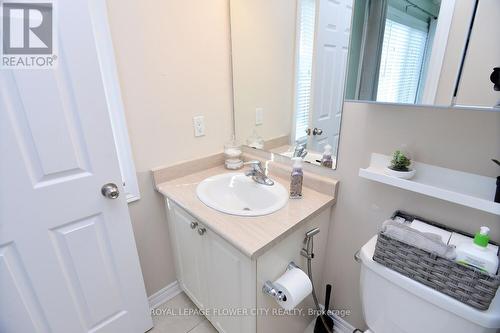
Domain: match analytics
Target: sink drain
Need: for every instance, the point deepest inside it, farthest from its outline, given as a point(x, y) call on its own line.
point(247, 209)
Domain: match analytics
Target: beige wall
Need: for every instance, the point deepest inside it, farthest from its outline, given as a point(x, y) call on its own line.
point(173, 63)
point(458, 139)
point(263, 48)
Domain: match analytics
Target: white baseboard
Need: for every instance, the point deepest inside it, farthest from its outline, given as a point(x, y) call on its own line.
point(341, 325)
point(164, 295)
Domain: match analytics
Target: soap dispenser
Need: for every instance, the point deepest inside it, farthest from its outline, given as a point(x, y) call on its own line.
point(477, 254)
point(296, 179)
point(327, 160)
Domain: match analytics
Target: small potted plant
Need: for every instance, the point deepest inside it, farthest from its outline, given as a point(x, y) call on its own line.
point(400, 166)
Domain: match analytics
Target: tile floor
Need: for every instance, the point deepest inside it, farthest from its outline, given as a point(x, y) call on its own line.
point(175, 316)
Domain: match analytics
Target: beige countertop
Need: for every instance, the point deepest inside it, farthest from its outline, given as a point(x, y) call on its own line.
point(251, 235)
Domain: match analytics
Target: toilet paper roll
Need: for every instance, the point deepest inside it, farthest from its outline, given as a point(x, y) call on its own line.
point(295, 285)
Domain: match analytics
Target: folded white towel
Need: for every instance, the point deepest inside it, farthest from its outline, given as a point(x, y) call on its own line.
point(427, 228)
point(429, 242)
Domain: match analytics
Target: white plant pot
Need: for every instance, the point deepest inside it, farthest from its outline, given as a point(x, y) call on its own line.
point(400, 174)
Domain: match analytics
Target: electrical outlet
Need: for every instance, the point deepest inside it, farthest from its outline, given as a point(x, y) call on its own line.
point(259, 116)
point(199, 125)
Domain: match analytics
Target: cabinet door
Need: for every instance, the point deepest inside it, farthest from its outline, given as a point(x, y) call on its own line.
point(231, 276)
point(189, 254)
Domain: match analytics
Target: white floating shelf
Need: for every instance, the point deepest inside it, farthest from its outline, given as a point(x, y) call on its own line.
point(459, 187)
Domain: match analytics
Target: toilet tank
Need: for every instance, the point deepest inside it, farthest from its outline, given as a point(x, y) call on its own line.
point(393, 303)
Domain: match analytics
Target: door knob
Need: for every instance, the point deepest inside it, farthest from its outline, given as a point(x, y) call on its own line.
point(194, 224)
point(110, 191)
point(201, 231)
point(317, 131)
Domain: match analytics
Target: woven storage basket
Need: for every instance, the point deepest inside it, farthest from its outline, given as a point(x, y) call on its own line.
point(470, 286)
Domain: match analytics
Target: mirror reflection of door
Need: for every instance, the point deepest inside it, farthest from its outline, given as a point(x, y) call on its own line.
point(322, 49)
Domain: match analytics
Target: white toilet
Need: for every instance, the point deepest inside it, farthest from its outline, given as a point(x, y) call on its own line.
point(393, 303)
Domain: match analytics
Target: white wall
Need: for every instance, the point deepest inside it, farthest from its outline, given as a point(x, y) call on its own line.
point(173, 63)
point(263, 47)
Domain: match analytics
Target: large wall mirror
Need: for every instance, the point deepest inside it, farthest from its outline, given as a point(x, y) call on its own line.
point(296, 61)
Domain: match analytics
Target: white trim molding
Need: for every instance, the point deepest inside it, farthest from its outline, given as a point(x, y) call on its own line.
point(438, 50)
point(340, 325)
point(106, 54)
point(164, 295)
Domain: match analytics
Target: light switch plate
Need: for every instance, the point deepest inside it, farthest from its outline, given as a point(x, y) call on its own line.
point(259, 116)
point(199, 125)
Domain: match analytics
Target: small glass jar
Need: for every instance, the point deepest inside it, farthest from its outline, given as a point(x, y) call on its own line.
point(255, 141)
point(232, 154)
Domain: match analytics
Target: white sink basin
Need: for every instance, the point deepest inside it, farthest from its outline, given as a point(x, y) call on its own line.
point(237, 194)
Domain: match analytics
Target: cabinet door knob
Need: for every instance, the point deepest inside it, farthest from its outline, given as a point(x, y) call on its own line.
point(194, 224)
point(201, 231)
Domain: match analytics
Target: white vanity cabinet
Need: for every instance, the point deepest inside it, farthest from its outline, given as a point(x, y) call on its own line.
point(216, 276)
point(227, 284)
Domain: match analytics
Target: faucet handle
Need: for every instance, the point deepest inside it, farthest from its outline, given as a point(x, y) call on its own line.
point(256, 165)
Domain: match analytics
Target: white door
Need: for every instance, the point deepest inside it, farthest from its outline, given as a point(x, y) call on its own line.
point(331, 48)
point(68, 260)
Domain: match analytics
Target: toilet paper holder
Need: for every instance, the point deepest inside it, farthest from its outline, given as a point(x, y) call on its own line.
point(270, 289)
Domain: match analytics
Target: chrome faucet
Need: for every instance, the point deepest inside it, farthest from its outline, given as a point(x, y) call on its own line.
point(258, 173)
point(300, 151)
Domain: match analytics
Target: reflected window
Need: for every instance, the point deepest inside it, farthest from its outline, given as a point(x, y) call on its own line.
point(402, 67)
point(393, 55)
point(305, 51)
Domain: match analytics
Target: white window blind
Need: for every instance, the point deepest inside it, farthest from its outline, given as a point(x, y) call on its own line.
point(403, 49)
point(304, 67)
